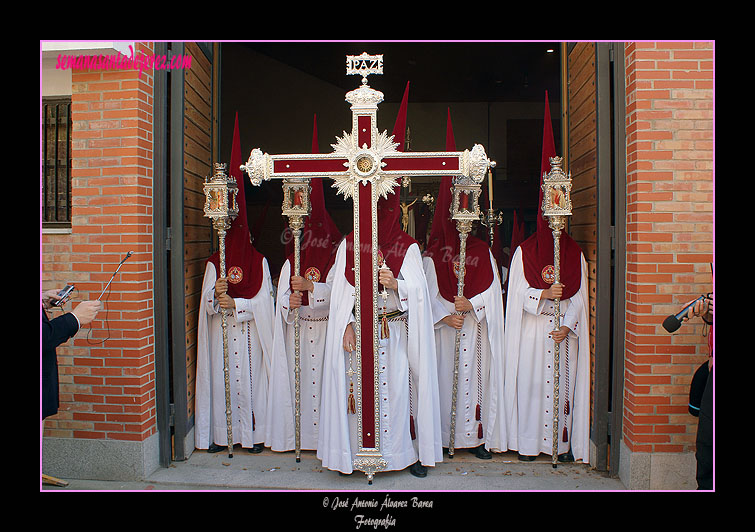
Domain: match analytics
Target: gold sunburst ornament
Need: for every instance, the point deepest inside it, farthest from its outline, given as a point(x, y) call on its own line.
point(365, 164)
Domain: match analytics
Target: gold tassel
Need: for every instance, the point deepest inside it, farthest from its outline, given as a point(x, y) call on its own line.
point(352, 405)
point(384, 331)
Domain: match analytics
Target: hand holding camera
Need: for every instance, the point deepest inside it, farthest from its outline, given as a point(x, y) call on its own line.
point(56, 297)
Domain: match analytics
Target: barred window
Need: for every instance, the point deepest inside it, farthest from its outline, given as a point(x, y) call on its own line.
point(56, 162)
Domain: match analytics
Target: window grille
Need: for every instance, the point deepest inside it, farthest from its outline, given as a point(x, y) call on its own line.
point(56, 162)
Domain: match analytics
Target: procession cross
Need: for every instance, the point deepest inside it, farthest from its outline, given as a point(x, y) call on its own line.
point(366, 165)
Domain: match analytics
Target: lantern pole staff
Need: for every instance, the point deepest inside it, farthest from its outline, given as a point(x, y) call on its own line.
point(221, 207)
point(296, 207)
point(465, 210)
point(556, 208)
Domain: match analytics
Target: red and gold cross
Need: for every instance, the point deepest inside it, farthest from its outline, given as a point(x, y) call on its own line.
point(365, 165)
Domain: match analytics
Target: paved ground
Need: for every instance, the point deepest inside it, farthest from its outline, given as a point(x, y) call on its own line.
point(285, 494)
point(272, 471)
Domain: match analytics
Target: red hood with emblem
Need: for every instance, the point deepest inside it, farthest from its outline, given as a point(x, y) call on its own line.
point(538, 249)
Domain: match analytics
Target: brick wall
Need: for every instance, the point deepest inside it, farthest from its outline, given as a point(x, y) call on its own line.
point(669, 129)
point(107, 373)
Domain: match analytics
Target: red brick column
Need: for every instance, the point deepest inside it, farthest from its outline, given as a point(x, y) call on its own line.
point(107, 372)
point(669, 130)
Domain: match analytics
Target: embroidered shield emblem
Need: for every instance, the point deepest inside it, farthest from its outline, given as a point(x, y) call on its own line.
point(312, 274)
point(235, 274)
point(549, 274)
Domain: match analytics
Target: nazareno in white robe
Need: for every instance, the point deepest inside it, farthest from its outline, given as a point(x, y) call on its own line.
point(528, 355)
point(479, 376)
point(338, 443)
point(250, 338)
point(313, 324)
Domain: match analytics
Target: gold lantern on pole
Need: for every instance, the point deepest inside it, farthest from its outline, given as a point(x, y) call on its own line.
point(556, 207)
point(465, 210)
point(296, 207)
point(221, 208)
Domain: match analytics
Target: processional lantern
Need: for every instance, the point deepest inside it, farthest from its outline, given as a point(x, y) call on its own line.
point(465, 204)
point(221, 207)
point(296, 199)
point(465, 210)
point(296, 207)
point(557, 195)
point(556, 207)
point(220, 197)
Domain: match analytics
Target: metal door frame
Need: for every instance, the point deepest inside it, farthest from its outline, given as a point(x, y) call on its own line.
point(160, 247)
point(611, 258)
point(176, 262)
point(173, 421)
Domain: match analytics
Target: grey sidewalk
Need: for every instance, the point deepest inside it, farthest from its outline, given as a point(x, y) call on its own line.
point(271, 471)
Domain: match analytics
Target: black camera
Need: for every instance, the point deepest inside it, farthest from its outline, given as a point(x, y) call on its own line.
point(63, 294)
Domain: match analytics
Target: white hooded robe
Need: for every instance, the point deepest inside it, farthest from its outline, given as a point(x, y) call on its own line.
point(529, 356)
point(250, 338)
point(480, 378)
point(400, 354)
point(313, 324)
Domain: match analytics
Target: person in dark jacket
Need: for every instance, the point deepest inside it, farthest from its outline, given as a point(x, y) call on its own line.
point(55, 332)
point(701, 398)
